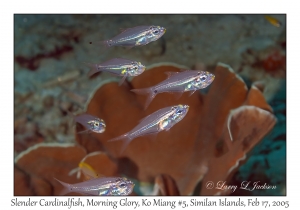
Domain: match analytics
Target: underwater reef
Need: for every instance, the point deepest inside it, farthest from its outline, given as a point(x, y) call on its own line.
point(196, 150)
point(235, 129)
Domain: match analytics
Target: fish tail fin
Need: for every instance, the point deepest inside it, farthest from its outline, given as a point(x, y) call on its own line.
point(126, 139)
point(104, 43)
point(73, 171)
point(66, 188)
point(93, 68)
point(146, 91)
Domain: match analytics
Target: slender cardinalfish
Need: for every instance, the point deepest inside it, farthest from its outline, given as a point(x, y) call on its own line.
point(136, 36)
point(118, 66)
point(178, 82)
point(100, 186)
point(163, 119)
point(91, 122)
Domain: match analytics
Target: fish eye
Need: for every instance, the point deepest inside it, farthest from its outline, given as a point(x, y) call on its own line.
point(96, 124)
point(156, 32)
point(122, 185)
point(135, 68)
point(179, 112)
point(203, 78)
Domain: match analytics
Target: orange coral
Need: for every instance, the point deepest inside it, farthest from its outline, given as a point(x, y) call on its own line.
point(30, 185)
point(42, 163)
point(198, 148)
point(165, 185)
point(36, 168)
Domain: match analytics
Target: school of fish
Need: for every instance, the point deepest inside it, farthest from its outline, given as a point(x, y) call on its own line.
point(161, 120)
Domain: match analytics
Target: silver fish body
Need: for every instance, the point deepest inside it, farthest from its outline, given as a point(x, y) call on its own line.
point(91, 122)
point(139, 35)
point(179, 82)
point(163, 119)
point(100, 186)
point(118, 66)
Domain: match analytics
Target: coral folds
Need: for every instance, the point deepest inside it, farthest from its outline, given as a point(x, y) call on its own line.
point(199, 147)
point(207, 146)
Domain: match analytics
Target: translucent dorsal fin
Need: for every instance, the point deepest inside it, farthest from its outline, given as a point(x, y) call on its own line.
point(170, 73)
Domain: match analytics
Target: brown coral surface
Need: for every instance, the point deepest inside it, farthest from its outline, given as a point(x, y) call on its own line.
point(198, 147)
point(36, 168)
